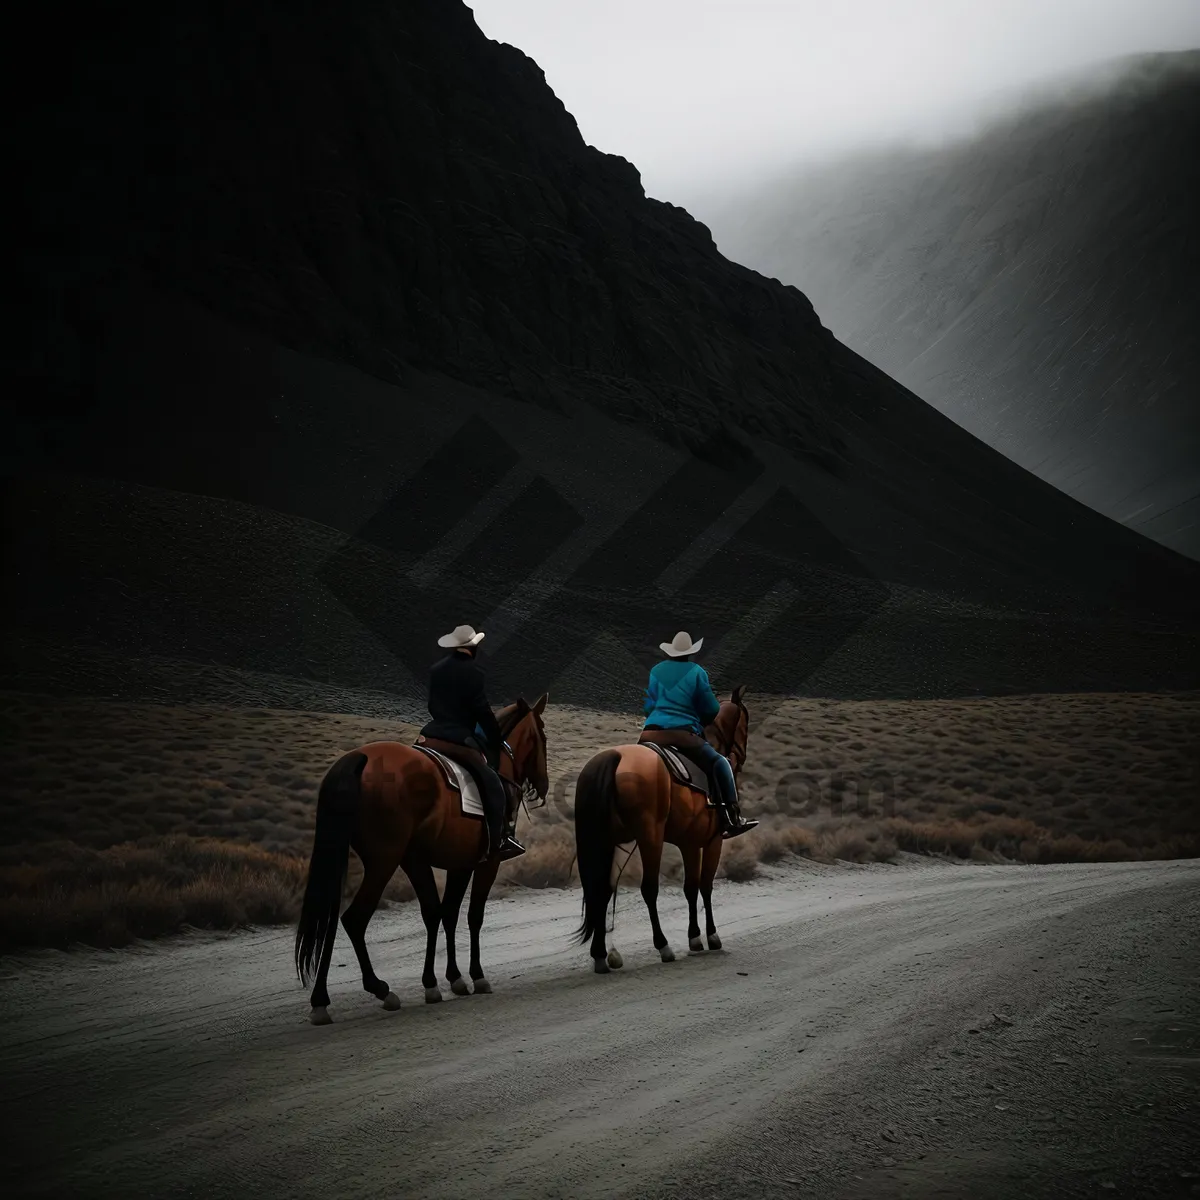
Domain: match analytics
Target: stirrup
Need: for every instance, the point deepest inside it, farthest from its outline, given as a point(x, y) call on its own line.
point(510, 848)
point(737, 827)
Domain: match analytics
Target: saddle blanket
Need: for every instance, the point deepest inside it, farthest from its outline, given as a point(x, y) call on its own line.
point(683, 770)
point(461, 780)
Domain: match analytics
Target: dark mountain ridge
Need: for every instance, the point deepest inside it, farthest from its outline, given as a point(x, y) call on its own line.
point(334, 331)
point(381, 184)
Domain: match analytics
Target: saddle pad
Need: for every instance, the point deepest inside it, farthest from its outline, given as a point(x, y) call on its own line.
point(683, 769)
point(461, 780)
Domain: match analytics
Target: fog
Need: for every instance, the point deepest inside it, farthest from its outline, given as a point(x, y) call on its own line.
point(705, 94)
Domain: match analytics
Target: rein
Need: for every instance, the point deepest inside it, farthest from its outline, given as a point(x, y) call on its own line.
point(529, 794)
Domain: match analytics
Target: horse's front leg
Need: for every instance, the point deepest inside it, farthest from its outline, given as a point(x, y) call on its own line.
point(708, 872)
point(452, 898)
point(485, 876)
point(693, 857)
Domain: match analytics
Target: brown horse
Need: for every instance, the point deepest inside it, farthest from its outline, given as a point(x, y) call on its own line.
point(625, 795)
point(390, 804)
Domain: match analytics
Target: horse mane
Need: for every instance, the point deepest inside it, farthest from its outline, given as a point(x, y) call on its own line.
point(508, 719)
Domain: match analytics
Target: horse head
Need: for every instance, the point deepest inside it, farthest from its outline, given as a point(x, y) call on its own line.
point(521, 724)
point(730, 729)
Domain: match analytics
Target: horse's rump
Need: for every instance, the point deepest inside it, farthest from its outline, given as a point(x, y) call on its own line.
point(414, 773)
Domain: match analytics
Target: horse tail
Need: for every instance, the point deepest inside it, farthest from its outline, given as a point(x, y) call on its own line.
point(337, 806)
point(595, 801)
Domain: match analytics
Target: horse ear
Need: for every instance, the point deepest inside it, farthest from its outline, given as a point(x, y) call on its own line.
point(522, 705)
point(540, 705)
point(738, 693)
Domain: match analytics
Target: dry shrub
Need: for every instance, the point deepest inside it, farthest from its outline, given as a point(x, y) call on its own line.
point(883, 846)
point(981, 854)
point(933, 837)
point(739, 865)
point(771, 847)
point(1007, 836)
point(110, 897)
point(548, 861)
point(799, 839)
point(1073, 848)
point(848, 845)
point(1184, 846)
point(1004, 839)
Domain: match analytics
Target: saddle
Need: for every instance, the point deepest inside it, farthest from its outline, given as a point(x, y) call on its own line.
point(684, 769)
point(452, 759)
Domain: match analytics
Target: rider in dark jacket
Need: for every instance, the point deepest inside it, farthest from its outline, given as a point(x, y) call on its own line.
point(463, 717)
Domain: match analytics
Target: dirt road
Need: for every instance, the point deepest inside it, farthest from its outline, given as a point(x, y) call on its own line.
point(878, 1031)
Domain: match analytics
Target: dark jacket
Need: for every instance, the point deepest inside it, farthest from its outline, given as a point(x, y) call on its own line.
point(458, 702)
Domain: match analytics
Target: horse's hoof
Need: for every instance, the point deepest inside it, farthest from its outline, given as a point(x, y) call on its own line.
point(482, 987)
point(320, 1015)
point(714, 942)
point(599, 966)
point(667, 954)
point(391, 1002)
point(433, 995)
point(615, 960)
point(459, 987)
point(695, 944)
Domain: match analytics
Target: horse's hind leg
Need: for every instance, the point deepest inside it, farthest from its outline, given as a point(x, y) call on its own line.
point(424, 884)
point(708, 872)
point(376, 874)
point(319, 1000)
point(692, 859)
point(485, 876)
point(651, 848)
point(452, 898)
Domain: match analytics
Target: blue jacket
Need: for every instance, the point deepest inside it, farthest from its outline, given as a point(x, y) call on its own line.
point(679, 696)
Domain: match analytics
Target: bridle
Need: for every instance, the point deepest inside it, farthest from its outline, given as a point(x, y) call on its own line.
point(529, 793)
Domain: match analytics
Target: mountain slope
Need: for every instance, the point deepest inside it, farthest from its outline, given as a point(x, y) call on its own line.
point(379, 183)
point(358, 269)
point(1037, 283)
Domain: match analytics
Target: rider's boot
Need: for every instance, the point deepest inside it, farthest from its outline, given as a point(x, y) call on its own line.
point(733, 824)
point(509, 846)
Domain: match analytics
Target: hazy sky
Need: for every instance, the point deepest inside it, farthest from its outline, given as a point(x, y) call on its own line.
point(694, 91)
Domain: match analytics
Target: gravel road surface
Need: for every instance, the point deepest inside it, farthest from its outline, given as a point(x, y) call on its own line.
point(916, 1030)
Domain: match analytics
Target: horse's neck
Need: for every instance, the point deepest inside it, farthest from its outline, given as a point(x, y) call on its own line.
point(508, 762)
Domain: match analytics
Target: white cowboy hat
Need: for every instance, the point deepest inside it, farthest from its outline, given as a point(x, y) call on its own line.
point(463, 635)
point(680, 645)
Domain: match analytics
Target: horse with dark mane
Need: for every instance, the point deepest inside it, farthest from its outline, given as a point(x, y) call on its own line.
point(627, 794)
point(392, 805)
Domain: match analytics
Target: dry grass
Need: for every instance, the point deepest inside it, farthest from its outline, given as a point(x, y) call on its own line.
point(1081, 778)
point(1054, 778)
point(98, 774)
point(110, 897)
point(125, 820)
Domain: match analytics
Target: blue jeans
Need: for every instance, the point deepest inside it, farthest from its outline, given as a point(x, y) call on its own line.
point(719, 768)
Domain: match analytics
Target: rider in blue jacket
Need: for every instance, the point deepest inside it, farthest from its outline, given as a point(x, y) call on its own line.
point(679, 705)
